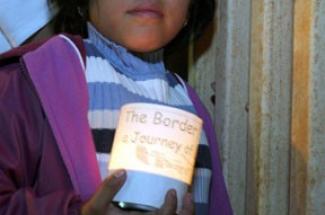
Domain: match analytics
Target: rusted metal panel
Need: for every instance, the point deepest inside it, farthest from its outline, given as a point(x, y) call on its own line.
point(270, 102)
point(300, 108)
point(274, 163)
point(227, 64)
point(316, 168)
point(308, 116)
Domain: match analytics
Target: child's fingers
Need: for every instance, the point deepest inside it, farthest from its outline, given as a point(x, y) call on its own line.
point(103, 197)
point(188, 205)
point(170, 205)
point(110, 187)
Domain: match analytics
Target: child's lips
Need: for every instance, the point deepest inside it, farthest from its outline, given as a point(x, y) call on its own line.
point(150, 11)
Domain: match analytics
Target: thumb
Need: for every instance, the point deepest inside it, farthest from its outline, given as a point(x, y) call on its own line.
point(103, 197)
point(170, 204)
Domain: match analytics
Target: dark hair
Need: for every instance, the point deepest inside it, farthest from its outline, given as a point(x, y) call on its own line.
point(73, 15)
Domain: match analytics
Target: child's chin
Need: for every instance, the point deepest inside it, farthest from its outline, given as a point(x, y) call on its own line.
point(143, 42)
point(143, 47)
point(143, 50)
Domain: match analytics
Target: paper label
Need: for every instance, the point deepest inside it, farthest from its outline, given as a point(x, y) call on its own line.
point(156, 139)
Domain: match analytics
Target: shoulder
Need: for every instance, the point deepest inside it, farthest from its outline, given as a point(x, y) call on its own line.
point(17, 91)
point(21, 116)
point(72, 41)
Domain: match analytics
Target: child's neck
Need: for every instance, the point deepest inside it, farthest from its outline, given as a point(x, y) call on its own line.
point(150, 57)
point(131, 63)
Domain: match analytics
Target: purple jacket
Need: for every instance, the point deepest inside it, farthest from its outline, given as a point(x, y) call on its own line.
point(47, 156)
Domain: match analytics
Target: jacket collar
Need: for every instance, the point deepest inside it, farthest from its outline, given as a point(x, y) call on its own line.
point(57, 71)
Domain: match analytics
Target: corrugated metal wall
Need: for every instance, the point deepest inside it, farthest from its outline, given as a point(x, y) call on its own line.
point(267, 61)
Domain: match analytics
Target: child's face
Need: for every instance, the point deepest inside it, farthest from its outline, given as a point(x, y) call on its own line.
point(139, 25)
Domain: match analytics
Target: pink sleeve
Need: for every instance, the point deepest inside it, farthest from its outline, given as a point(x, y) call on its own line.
point(24, 201)
point(22, 129)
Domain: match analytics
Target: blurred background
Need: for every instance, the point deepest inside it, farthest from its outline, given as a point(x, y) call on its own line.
point(264, 62)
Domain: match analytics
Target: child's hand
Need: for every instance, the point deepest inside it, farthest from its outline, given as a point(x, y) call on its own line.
point(101, 200)
point(100, 203)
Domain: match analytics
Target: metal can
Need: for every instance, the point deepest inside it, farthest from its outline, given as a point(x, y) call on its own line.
point(133, 206)
point(157, 146)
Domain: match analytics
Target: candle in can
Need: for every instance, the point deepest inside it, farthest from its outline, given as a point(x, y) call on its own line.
point(157, 146)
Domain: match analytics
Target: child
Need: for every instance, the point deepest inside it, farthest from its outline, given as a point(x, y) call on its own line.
point(60, 101)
